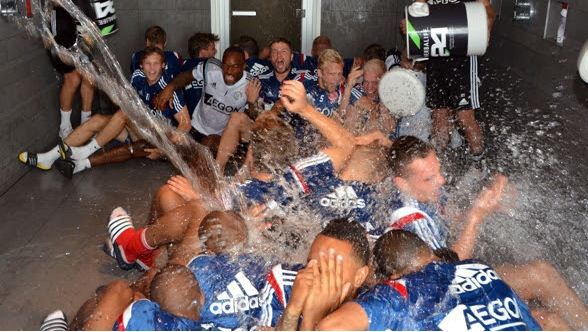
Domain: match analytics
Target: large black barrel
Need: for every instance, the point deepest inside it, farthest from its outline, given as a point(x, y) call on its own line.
point(446, 30)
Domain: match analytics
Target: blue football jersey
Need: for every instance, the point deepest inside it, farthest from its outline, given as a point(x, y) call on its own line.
point(146, 315)
point(231, 287)
point(192, 91)
point(424, 220)
point(276, 293)
point(461, 296)
point(270, 85)
point(149, 92)
point(173, 62)
point(314, 180)
point(256, 67)
point(323, 101)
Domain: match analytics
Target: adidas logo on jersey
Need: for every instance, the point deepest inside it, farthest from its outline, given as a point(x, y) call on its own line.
point(258, 69)
point(500, 314)
point(240, 296)
point(344, 198)
point(470, 277)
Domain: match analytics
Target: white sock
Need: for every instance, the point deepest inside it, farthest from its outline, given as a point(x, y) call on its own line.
point(65, 119)
point(83, 152)
point(85, 116)
point(82, 165)
point(49, 157)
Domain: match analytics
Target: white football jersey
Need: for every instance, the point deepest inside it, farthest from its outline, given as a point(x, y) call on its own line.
point(219, 100)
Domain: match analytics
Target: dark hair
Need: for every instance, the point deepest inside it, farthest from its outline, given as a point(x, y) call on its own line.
point(273, 144)
point(200, 41)
point(248, 44)
point(152, 50)
point(156, 35)
point(281, 40)
point(395, 252)
point(352, 232)
point(234, 49)
point(405, 150)
point(374, 51)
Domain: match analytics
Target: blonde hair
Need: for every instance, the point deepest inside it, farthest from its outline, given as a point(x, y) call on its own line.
point(374, 65)
point(329, 55)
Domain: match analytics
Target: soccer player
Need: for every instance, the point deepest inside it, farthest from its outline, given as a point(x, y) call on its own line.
point(155, 36)
point(419, 208)
point(148, 82)
point(422, 291)
point(201, 46)
point(225, 86)
point(298, 296)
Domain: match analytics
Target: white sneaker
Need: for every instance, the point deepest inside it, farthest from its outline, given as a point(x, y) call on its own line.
point(65, 131)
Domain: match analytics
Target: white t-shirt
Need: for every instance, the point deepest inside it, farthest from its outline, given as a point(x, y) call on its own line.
point(219, 100)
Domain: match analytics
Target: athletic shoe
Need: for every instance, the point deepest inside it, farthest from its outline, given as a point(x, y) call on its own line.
point(64, 150)
point(120, 229)
point(30, 159)
point(55, 321)
point(65, 167)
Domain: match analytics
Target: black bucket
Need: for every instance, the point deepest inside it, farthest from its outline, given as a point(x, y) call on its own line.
point(446, 30)
point(104, 15)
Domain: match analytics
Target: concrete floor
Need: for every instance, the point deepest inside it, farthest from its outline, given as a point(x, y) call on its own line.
point(53, 228)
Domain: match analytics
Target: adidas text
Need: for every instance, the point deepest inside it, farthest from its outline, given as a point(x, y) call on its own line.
point(233, 306)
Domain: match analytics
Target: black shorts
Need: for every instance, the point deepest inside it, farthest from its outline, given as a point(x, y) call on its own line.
point(453, 83)
point(61, 67)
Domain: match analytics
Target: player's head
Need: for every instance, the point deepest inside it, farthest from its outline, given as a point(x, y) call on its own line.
point(349, 240)
point(372, 72)
point(399, 252)
point(223, 232)
point(330, 70)
point(202, 45)
point(155, 36)
point(416, 169)
point(319, 44)
point(273, 143)
point(176, 290)
point(153, 64)
point(249, 45)
point(281, 55)
point(374, 51)
point(233, 64)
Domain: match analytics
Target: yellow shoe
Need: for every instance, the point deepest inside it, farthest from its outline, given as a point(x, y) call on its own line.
point(30, 159)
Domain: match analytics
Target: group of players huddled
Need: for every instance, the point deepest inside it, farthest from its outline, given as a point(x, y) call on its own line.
point(302, 135)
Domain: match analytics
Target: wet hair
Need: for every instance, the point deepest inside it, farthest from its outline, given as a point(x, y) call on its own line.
point(280, 40)
point(404, 151)
point(273, 144)
point(374, 65)
point(233, 227)
point(374, 51)
point(351, 232)
point(397, 251)
point(235, 50)
point(200, 41)
point(329, 56)
point(155, 35)
point(175, 289)
point(152, 50)
point(248, 44)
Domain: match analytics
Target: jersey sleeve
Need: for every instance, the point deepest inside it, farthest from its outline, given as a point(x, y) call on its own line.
point(178, 101)
point(309, 173)
point(356, 93)
point(138, 316)
point(385, 308)
point(138, 80)
point(275, 294)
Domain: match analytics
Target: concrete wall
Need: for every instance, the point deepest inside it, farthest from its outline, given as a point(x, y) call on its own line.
point(353, 25)
point(29, 117)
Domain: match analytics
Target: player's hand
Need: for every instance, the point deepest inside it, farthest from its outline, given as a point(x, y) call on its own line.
point(182, 186)
point(294, 97)
point(489, 199)
point(301, 288)
point(154, 153)
point(328, 290)
point(354, 76)
point(164, 98)
point(252, 91)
